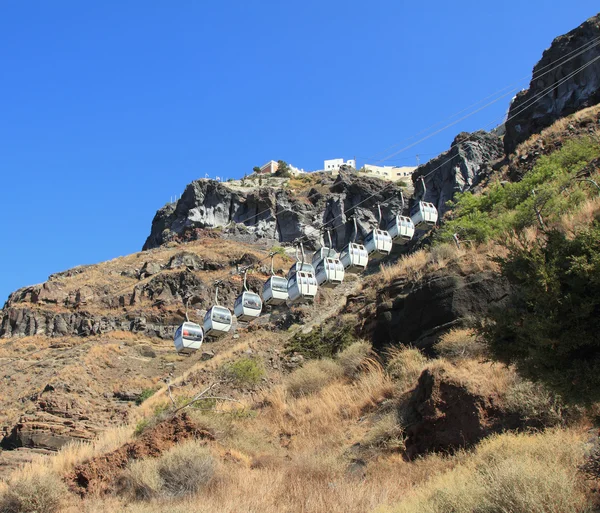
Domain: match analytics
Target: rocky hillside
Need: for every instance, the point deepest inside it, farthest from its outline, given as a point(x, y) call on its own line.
point(560, 91)
point(276, 214)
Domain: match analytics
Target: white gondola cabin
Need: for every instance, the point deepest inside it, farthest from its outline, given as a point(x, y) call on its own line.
point(378, 243)
point(217, 321)
point(330, 272)
point(300, 267)
point(302, 286)
point(247, 307)
point(354, 258)
point(188, 338)
point(323, 253)
point(424, 214)
point(401, 229)
point(275, 291)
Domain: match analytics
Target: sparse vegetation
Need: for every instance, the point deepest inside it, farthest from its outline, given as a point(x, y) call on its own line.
point(507, 207)
point(246, 371)
point(312, 377)
point(460, 344)
point(145, 394)
point(405, 365)
point(33, 493)
point(181, 471)
point(354, 357)
point(509, 472)
point(322, 343)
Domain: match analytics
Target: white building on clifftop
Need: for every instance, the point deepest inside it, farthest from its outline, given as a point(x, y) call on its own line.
point(333, 165)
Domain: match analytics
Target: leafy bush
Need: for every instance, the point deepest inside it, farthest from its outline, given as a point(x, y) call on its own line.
point(551, 327)
point(312, 377)
point(141, 426)
point(322, 343)
point(183, 470)
point(246, 371)
point(43, 493)
point(512, 206)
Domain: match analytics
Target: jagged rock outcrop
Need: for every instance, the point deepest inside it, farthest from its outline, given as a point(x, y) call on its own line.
point(555, 93)
point(418, 314)
point(460, 168)
point(274, 214)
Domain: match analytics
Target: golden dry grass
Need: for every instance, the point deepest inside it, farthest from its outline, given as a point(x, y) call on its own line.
point(517, 473)
point(460, 343)
point(466, 260)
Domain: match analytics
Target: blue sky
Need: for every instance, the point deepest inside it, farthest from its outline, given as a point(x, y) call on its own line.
point(110, 108)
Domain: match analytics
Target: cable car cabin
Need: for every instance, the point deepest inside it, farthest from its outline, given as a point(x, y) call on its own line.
point(217, 321)
point(275, 291)
point(302, 286)
point(378, 243)
point(354, 258)
point(323, 253)
point(424, 215)
point(188, 338)
point(401, 229)
point(299, 266)
point(330, 273)
point(247, 307)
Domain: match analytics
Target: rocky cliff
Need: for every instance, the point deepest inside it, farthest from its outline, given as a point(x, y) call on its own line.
point(272, 214)
point(460, 168)
point(574, 50)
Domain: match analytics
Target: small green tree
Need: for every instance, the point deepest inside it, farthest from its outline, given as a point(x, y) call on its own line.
point(283, 169)
point(256, 169)
point(260, 180)
point(550, 328)
point(244, 179)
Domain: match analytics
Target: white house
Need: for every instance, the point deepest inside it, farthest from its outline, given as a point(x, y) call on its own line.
point(392, 173)
point(333, 165)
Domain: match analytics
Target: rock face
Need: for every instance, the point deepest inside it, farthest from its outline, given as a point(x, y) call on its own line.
point(460, 168)
point(560, 96)
point(273, 214)
point(418, 314)
point(444, 414)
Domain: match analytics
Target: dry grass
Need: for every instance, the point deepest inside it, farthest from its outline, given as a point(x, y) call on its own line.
point(466, 260)
point(33, 493)
point(517, 473)
point(183, 470)
point(312, 377)
point(459, 344)
point(405, 365)
point(354, 357)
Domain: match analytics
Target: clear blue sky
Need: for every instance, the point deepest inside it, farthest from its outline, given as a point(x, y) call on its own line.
point(109, 108)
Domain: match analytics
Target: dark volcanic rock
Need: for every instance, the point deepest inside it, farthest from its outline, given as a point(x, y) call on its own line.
point(272, 214)
point(528, 116)
point(460, 168)
point(443, 414)
point(418, 314)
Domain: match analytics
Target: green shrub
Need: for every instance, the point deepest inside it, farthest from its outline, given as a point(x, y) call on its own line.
point(321, 343)
point(145, 394)
point(246, 371)
point(551, 326)
point(141, 426)
point(43, 493)
point(512, 206)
